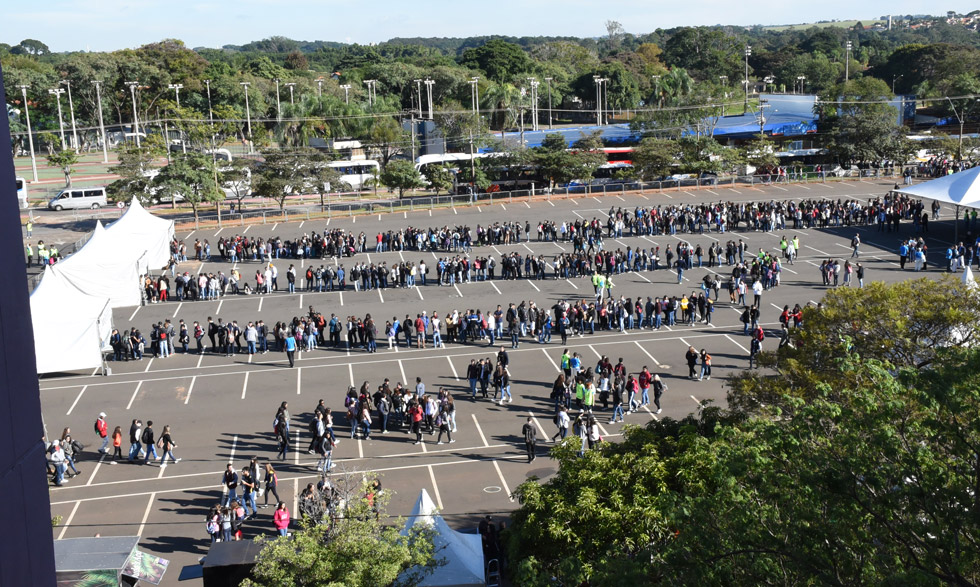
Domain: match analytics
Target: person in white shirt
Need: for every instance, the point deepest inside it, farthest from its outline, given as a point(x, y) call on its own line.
point(436, 334)
point(757, 290)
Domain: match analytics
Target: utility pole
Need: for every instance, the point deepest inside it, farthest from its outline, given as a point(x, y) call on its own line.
point(428, 90)
point(598, 103)
point(418, 87)
point(183, 145)
point(71, 109)
point(371, 84)
point(346, 88)
point(61, 122)
point(248, 114)
point(30, 134)
point(319, 87)
point(748, 53)
point(548, 79)
point(278, 105)
point(290, 86)
point(534, 102)
point(98, 103)
point(847, 62)
point(136, 132)
point(207, 82)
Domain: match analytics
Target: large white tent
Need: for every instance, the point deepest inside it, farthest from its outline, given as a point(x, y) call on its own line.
point(104, 267)
point(958, 189)
point(463, 553)
point(147, 235)
point(71, 327)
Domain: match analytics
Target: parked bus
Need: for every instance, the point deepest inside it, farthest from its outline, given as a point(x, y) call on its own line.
point(22, 193)
point(356, 173)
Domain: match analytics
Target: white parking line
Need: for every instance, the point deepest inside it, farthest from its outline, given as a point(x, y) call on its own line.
point(401, 367)
point(545, 351)
point(457, 290)
point(84, 387)
point(189, 390)
point(148, 364)
point(64, 527)
point(381, 297)
point(736, 343)
point(146, 514)
point(136, 391)
point(134, 313)
point(244, 385)
point(350, 371)
point(655, 361)
point(571, 284)
point(480, 432)
point(453, 367)
point(496, 288)
point(419, 291)
point(178, 309)
point(95, 471)
point(435, 487)
point(502, 480)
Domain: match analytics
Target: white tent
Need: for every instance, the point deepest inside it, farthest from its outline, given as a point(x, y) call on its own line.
point(143, 231)
point(958, 189)
point(463, 552)
point(71, 327)
point(105, 268)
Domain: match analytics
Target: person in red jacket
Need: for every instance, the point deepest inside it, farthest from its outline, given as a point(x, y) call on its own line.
point(644, 380)
point(102, 429)
point(281, 518)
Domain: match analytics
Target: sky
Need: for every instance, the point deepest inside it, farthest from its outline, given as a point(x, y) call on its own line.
point(105, 25)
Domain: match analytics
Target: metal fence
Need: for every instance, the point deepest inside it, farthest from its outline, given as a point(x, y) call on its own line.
point(363, 205)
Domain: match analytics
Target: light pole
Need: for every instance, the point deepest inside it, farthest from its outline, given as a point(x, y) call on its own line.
point(802, 80)
point(847, 61)
point(71, 109)
point(548, 79)
point(207, 82)
point(418, 87)
point(278, 105)
point(290, 86)
point(98, 104)
point(30, 135)
point(346, 88)
point(248, 114)
point(748, 53)
point(534, 102)
point(61, 123)
point(319, 87)
point(961, 118)
point(136, 132)
point(895, 79)
point(474, 97)
point(176, 88)
point(767, 81)
point(428, 90)
point(656, 88)
point(598, 101)
point(370, 83)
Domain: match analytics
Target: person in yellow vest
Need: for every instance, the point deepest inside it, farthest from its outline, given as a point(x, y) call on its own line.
point(42, 253)
point(685, 304)
point(579, 394)
point(30, 227)
point(588, 395)
point(30, 254)
point(53, 254)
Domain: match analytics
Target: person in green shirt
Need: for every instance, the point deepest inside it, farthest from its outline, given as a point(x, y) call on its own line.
point(30, 254)
point(579, 394)
point(566, 364)
point(588, 395)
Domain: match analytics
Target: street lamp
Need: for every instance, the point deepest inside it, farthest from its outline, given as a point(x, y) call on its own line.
point(548, 79)
point(290, 85)
point(30, 135)
point(895, 79)
point(248, 114)
point(207, 82)
point(748, 53)
point(71, 109)
point(534, 102)
point(961, 118)
point(98, 103)
point(136, 132)
point(176, 88)
point(598, 100)
point(61, 123)
point(319, 87)
point(372, 90)
point(346, 88)
point(475, 96)
point(802, 80)
point(278, 105)
point(847, 61)
point(766, 81)
point(418, 87)
point(428, 90)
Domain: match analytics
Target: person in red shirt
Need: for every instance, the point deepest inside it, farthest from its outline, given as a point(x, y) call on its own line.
point(644, 381)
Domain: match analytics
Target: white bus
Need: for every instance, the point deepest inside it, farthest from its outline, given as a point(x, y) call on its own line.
point(22, 193)
point(356, 174)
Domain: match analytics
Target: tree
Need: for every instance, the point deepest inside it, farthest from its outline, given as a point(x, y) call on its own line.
point(66, 160)
point(33, 47)
point(498, 59)
point(296, 61)
point(907, 324)
point(134, 171)
point(401, 175)
point(760, 153)
point(237, 179)
point(862, 129)
point(321, 176)
point(654, 158)
point(346, 541)
point(192, 176)
point(870, 479)
point(281, 175)
point(440, 178)
point(387, 137)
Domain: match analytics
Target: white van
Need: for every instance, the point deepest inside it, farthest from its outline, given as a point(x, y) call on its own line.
point(75, 198)
point(22, 193)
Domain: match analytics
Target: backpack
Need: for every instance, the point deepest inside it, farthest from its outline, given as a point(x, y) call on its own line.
point(212, 526)
point(309, 274)
point(144, 437)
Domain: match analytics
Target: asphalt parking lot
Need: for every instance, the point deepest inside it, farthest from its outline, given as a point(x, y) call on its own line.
point(221, 408)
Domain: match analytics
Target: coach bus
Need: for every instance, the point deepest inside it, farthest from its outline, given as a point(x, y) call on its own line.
point(356, 174)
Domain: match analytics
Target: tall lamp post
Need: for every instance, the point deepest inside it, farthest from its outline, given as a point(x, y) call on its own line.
point(30, 135)
point(418, 89)
point(598, 100)
point(428, 90)
point(278, 105)
point(534, 102)
point(291, 85)
point(207, 82)
point(346, 88)
point(132, 92)
point(748, 53)
point(176, 88)
point(475, 96)
point(847, 61)
point(548, 79)
point(319, 87)
point(98, 105)
point(71, 109)
point(248, 114)
point(802, 80)
point(895, 79)
point(57, 92)
point(372, 90)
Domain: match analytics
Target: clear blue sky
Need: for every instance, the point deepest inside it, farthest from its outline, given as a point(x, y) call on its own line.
point(102, 25)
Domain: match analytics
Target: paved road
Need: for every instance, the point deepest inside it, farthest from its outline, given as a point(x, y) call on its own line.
point(221, 409)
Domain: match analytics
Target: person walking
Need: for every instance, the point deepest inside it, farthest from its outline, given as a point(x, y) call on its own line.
point(692, 362)
point(102, 430)
point(856, 246)
point(530, 433)
point(149, 441)
point(248, 492)
point(658, 390)
point(168, 445)
point(619, 387)
point(562, 421)
point(281, 519)
point(705, 365)
point(325, 450)
point(116, 445)
point(230, 482)
point(271, 484)
point(290, 348)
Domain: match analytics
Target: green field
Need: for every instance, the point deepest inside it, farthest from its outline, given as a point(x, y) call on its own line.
point(844, 24)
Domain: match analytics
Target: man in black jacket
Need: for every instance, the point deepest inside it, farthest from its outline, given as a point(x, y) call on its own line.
point(149, 441)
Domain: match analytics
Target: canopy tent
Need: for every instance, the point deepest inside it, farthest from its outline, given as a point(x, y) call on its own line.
point(463, 553)
point(106, 268)
point(958, 189)
point(71, 327)
point(143, 231)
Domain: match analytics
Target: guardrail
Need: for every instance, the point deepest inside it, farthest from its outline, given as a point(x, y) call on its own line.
point(336, 207)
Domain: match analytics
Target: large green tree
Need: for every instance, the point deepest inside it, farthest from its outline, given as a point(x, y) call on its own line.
point(194, 177)
point(498, 59)
point(861, 127)
point(401, 175)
